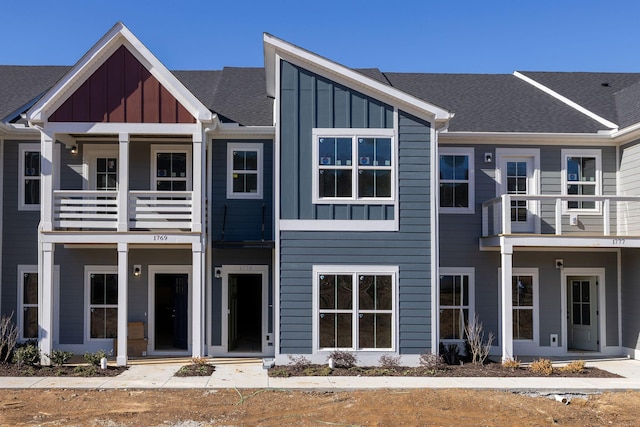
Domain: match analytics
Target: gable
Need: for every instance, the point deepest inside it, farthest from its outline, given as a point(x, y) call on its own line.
point(122, 90)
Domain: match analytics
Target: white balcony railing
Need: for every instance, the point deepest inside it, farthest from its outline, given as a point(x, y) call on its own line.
point(98, 210)
point(550, 214)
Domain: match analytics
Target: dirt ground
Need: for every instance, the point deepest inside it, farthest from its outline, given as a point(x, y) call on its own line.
point(195, 408)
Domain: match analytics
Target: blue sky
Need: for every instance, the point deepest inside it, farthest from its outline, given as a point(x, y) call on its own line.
point(462, 36)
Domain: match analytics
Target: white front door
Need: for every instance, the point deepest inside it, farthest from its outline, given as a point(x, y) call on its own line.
point(582, 313)
point(517, 178)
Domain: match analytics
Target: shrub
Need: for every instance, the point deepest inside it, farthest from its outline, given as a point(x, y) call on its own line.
point(389, 361)
point(450, 353)
point(8, 338)
point(298, 361)
point(512, 364)
point(200, 361)
point(85, 371)
point(541, 366)
point(59, 357)
point(430, 360)
point(573, 367)
point(343, 359)
point(94, 358)
point(477, 344)
point(28, 354)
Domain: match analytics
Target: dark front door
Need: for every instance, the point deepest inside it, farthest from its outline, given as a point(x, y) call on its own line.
point(245, 313)
point(171, 311)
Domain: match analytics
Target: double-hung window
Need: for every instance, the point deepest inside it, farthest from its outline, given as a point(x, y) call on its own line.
point(456, 301)
point(171, 167)
point(29, 170)
point(354, 307)
point(102, 304)
point(354, 165)
point(28, 301)
point(244, 171)
point(456, 180)
point(582, 176)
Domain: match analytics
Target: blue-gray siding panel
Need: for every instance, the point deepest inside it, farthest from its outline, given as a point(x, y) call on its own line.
point(244, 217)
point(409, 249)
point(310, 101)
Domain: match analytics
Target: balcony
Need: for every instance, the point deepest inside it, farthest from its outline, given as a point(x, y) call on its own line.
point(146, 210)
point(554, 215)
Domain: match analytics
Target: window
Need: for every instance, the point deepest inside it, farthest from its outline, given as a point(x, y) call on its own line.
point(102, 292)
point(456, 302)
point(355, 307)
point(582, 176)
point(244, 171)
point(524, 290)
point(29, 170)
point(354, 165)
point(28, 302)
point(171, 167)
point(456, 180)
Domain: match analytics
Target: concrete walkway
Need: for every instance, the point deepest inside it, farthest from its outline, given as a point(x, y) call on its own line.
point(238, 373)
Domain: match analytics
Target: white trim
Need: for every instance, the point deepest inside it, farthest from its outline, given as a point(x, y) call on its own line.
point(459, 151)
point(566, 100)
point(470, 272)
point(152, 270)
point(434, 249)
point(276, 210)
point(33, 268)
point(22, 150)
point(337, 225)
point(354, 167)
point(2, 210)
point(245, 146)
point(208, 266)
point(355, 270)
point(263, 271)
point(602, 306)
point(525, 347)
point(88, 270)
point(90, 153)
point(101, 129)
point(581, 152)
point(172, 148)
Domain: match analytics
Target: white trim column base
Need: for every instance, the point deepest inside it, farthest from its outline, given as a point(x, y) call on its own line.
point(45, 318)
point(197, 304)
point(123, 284)
point(506, 304)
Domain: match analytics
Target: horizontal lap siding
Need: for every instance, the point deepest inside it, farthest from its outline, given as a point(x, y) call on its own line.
point(629, 180)
point(309, 101)
point(408, 248)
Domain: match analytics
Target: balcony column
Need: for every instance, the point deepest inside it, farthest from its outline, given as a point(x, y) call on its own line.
point(123, 299)
point(123, 182)
point(506, 273)
point(45, 302)
point(47, 141)
point(197, 301)
point(199, 158)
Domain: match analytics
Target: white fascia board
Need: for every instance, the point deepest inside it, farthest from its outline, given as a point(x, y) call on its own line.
point(118, 35)
point(117, 128)
point(232, 129)
point(347, 76)
point(597, 139)
point(566, 100)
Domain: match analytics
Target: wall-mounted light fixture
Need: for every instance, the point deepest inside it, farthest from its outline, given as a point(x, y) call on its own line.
point(217, 272)
point(74, 149)
point(137, 270)
point(488, 157)
point(559, 263)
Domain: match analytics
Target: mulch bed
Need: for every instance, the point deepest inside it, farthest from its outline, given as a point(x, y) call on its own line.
point(490, 369)
point(15, 370)
point(195, 370)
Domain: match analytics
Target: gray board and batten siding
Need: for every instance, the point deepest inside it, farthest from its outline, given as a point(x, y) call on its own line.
point(409, 248)
point(310, 101)
point(244, 217)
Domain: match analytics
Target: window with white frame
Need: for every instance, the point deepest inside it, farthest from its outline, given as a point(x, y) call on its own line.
point(102, 303)
point(171, 168)
point(523, 288)
point(29, 170)
point(355, 307)
point(28, 302)
point(582, 176)
point(355, 165)
point(456, 167)
point(244, 171)
point(456, 301)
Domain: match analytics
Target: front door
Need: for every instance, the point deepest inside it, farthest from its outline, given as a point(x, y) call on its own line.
point(582, 313)
point(517, 179)
point(171, 311)
point(245, 313)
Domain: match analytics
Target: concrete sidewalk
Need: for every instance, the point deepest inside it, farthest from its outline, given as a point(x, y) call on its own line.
point(238, 373)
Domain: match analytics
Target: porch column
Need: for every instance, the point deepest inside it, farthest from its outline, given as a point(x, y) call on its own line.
point(197, 302)
point(47, 142)
point(198, 186)
point(506, 273)
point(45, 303)
point(123, 182)
point(123, 309)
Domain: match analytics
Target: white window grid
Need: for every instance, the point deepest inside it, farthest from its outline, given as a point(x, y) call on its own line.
point(244, 147)
point(469, 153)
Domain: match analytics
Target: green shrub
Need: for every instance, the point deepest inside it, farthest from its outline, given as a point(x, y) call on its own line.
point(27, 355)
point(59, 357)
point(94, 358)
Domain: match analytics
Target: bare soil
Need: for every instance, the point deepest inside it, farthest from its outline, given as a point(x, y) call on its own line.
point(195, 408)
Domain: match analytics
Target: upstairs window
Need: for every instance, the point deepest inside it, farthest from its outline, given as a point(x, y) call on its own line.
point(582, 176)
point(29, 170)
point(354, 165)
point(456, 180)
point(171, 167)
point(244, 171)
